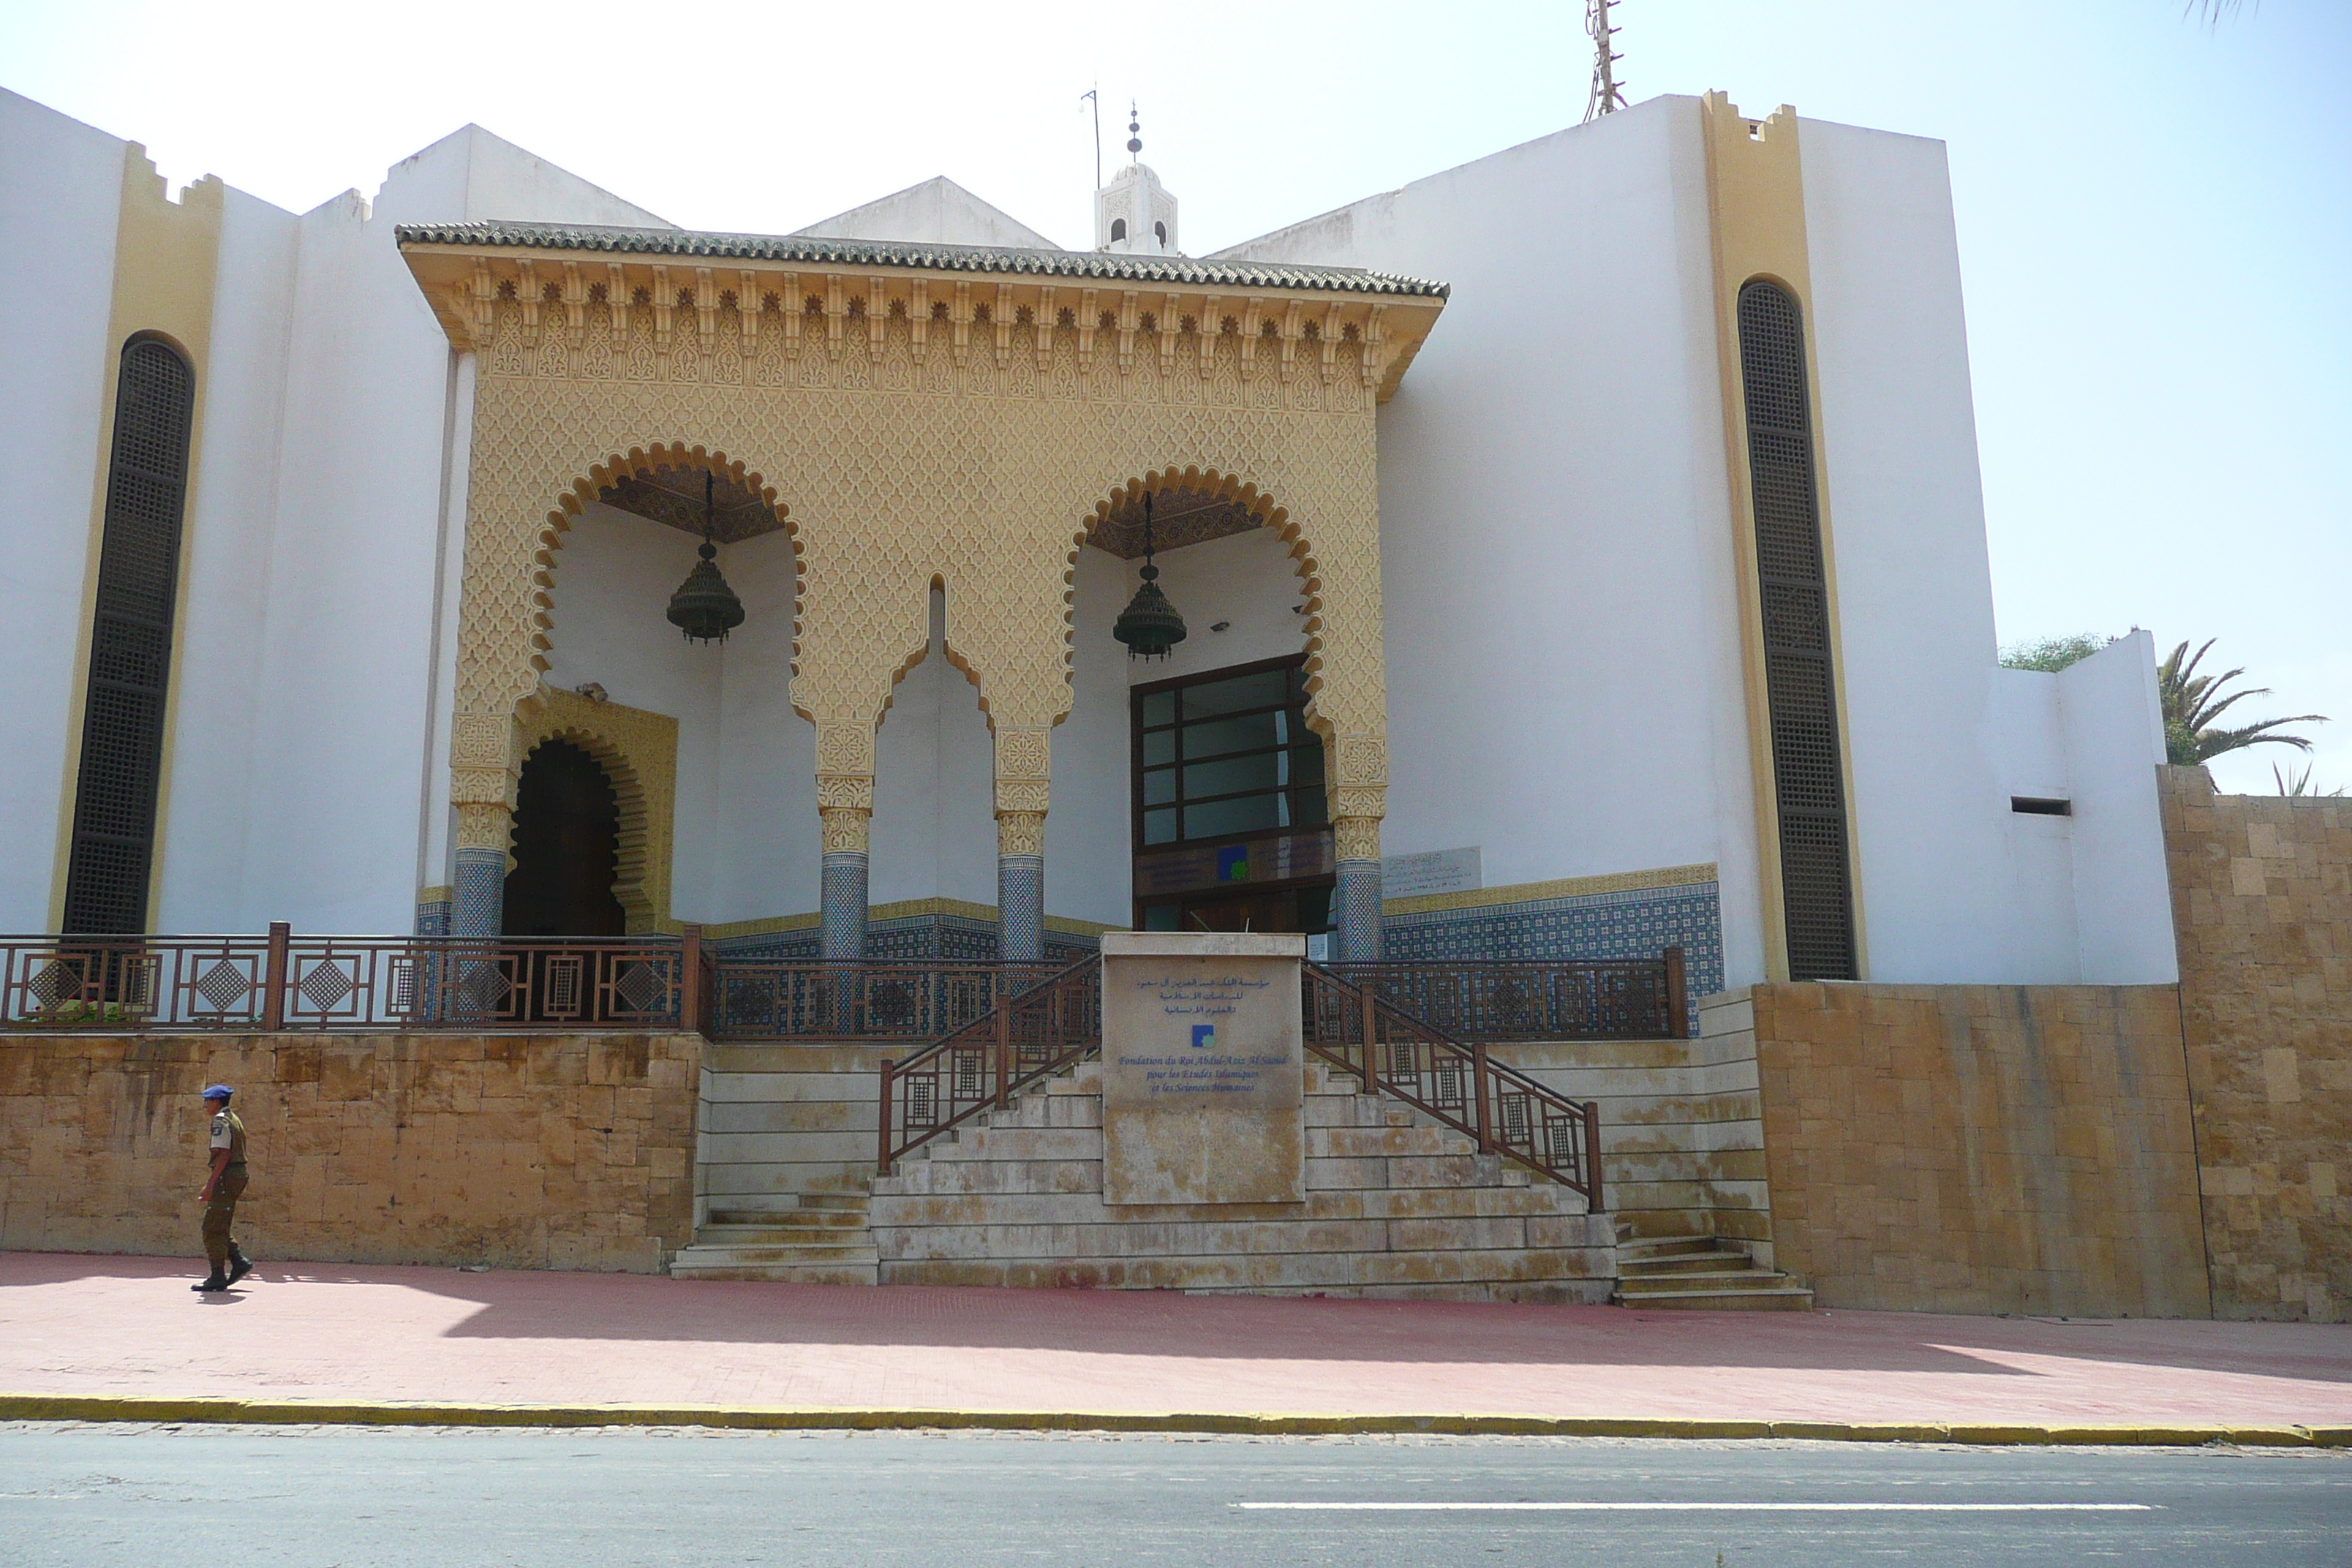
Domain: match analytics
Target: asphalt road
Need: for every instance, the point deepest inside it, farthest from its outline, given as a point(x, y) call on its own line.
point(322, 1496)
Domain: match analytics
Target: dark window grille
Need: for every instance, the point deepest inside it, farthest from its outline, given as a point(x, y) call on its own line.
point(113, 848)
point(1799, 684)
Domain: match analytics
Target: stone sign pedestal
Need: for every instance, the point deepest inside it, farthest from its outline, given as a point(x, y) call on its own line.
point(1204, 1071)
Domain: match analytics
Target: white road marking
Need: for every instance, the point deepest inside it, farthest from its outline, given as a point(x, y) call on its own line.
point(1714, 1507)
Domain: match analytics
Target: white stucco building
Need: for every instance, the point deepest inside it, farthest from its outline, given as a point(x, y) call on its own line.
point(1589, 538)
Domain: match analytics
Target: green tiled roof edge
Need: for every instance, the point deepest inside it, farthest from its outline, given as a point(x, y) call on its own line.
point(938, 258)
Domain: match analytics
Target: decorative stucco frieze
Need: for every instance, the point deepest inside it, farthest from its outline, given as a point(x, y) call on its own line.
point(901, 465)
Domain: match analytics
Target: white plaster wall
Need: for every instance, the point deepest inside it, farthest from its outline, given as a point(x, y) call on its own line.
point(936, 211)
point(341, 810)
point(1939, 881)
point(205, 833)
point(934, 829)
point(1090, 842)
point(61, 190)
point(2114, 738)
point(504, 180)
point(2026, 742)
point(347, 644)
point(436, 818)
point(1565, 688)
point(612, 582)
point(768, 835)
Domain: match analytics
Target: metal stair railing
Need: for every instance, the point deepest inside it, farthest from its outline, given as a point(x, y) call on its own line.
point(1395, 1053)
point(1031, 1036)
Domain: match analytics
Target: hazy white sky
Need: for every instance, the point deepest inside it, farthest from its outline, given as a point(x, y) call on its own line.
point(2155, 215)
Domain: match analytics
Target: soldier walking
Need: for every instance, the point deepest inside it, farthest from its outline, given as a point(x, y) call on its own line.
point(221, 1191)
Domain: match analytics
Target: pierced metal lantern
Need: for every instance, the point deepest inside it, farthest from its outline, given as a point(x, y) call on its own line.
point(704, 607)
point(1149, 625)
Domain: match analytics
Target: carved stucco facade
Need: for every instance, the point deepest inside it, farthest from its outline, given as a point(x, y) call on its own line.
point(912, 429)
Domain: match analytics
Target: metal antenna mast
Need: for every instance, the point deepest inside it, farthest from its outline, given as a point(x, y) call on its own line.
point(1607, 97)
point(1094, 94)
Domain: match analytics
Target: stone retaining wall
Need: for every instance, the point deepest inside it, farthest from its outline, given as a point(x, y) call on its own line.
point(2262, 911)
point(535, 1151)
point(1982, 1149)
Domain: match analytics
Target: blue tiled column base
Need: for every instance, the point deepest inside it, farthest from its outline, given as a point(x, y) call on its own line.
point(479, 905)
point(1020, 908)
point(432, 917)
point(1356, 911)
point(841, 903)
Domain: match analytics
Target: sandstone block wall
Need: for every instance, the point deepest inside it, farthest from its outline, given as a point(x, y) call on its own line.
point(1982, 1149)
point(2262, 909)
point(545, 1152)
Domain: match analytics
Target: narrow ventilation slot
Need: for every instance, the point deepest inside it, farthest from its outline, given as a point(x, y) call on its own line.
point(113, 848)
point(1800, 681)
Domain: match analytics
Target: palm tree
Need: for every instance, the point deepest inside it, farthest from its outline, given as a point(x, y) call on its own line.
point(2299, 784)
point(2193, 701)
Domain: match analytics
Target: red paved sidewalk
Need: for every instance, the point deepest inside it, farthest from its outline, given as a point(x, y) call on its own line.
point(118, 1326)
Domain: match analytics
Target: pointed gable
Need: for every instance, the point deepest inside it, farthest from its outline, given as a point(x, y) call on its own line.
point(936, 211)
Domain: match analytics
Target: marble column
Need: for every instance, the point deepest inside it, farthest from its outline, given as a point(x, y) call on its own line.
point(1021, 886)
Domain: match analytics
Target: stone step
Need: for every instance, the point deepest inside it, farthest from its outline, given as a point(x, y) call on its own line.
point(779, 1234)
point(1666, 1246)
point(1633, 1285)
point(701, 1256)
point(1779, 1299)
point(796, 1218)
point(1682, 1263)
point(778, 1273)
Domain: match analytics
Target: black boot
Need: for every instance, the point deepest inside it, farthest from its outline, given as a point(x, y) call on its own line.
point(240, 1266)
point(217, 1281)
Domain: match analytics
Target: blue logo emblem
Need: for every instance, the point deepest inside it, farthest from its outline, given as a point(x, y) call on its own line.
point(1232, 863)
point(1204, 1036)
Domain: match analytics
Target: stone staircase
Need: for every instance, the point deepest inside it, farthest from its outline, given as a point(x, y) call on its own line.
point(1710, 1273)
point(815, 1238)
point(1396, 1205)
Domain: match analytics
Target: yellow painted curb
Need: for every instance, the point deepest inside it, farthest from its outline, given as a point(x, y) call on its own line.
point(258, 1411)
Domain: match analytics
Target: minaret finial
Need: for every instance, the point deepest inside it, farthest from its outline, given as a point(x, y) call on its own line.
point(1134, 129)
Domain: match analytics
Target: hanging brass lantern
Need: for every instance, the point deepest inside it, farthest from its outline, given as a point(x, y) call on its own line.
point(1149, 625)
point(704, 607)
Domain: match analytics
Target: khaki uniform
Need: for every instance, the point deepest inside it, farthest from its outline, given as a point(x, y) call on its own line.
point(220, 1213)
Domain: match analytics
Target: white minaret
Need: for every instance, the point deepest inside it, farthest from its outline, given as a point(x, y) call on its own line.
point(1134, 214)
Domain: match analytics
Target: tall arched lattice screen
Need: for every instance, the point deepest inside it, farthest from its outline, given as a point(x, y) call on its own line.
point(1799, 683)
point(131, 643)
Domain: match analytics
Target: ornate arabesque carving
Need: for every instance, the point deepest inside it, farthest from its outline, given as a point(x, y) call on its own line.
point(914, 460)
point(1021, 833)
point(846, 828)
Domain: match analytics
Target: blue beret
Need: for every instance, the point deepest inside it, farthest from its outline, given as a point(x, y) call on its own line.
point(219, 1091)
